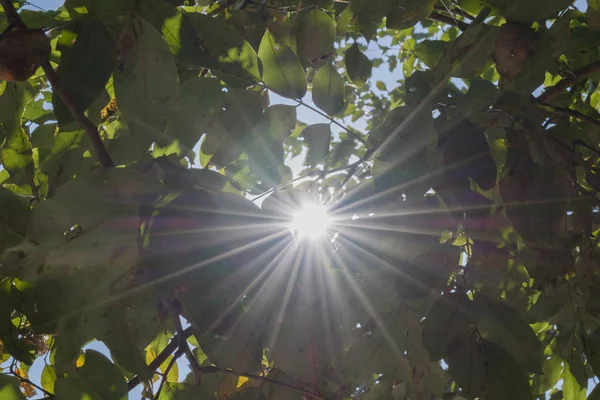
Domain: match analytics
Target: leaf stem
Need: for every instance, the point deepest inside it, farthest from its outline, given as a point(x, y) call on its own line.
point(90, 129)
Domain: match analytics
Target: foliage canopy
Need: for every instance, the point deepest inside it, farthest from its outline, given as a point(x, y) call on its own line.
point(463, 260)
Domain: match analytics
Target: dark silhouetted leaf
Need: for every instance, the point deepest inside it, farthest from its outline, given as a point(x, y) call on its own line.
point(328, 90)
point(318, 137)
point(358, 65)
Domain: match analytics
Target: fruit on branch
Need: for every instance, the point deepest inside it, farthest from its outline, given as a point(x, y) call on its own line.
point(514, 45)
point(21, 53)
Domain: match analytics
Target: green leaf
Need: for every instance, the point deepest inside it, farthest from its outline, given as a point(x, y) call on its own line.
point(328, 90)
point(373, 353)
point(79, 283)
point(77, 7)
point(264, 146)
point(514, 10)
point(16, 150)
point(10, 388)
point(551, 374)
point(466, 364)
point(446, 319)
point(482, 368)
point(318, 137)
point(315, 36)
point(282, 72)
point(188, 391)
point(194, 113)
point(506, 379)
point(14, 218)
point(97, 379)
point(502, 325)
point(409, 14)
point(85, 68)
point(146, 81)
point(574, 378)
point(430, 51)
point(48, 379)
point(593, 14)
point(358, 65)
point(233, 54)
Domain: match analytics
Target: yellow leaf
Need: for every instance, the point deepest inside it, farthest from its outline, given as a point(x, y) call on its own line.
point(80, 360)
point(241, 381)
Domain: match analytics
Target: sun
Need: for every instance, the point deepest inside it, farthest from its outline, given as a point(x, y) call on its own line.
point(311, 221)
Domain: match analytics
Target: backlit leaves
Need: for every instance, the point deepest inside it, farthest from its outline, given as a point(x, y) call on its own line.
point(146, 81)
point(358, 65)
point(282, 71)
point(462, 257)
point(318, 137)
point(328, 90)
point(98, 378)
point(315, 35)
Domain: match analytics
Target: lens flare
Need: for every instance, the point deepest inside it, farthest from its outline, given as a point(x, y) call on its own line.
point(311, 221)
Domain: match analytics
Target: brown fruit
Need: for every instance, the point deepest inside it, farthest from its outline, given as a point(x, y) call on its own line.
point(513, 48)
point(21, 53)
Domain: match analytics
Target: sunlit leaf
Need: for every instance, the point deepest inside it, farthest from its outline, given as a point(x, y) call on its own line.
point(98, 378)
point(282, 71)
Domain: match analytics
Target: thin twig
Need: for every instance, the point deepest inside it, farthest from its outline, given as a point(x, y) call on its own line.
point(183, 345)
point(331, 119)
point(208, 370)
point(90, 129)
point(216, 370)
point(434, 16)
point(569, 81)
point(27, 381)
point(161, 357)
point(456, 10)
point(571, 113)
point(177, 354)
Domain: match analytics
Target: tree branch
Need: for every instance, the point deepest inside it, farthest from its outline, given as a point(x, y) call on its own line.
point(571, 113)
point(434, 16)
point(174, 345)
point(177, 354)
point(90, 129)
point(183, 345)
point(216, 370)
point(566, 83)
point(161, 357)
